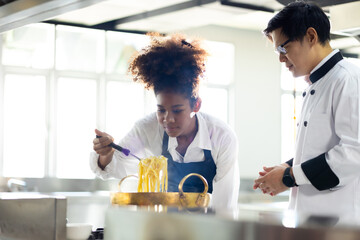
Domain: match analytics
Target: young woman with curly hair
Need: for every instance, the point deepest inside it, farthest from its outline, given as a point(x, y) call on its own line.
point(193, 142)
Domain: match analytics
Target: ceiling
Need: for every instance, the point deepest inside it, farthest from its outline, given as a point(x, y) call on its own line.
point(167, 16)
point(174, 17)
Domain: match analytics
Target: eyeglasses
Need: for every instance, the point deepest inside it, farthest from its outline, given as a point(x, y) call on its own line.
point(280, 49)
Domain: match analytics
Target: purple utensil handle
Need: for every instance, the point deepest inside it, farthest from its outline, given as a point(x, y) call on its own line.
point(121, 149)
point(117, 147)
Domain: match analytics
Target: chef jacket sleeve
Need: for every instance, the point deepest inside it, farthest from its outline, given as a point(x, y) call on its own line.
point(341, 164)
point(227, 181)
point(113, 169)
point(122, 165)
point(290, 162)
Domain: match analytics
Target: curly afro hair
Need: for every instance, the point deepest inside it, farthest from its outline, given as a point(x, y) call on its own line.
point(170, 64)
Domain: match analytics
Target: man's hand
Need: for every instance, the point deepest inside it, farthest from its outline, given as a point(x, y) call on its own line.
point(270, 180)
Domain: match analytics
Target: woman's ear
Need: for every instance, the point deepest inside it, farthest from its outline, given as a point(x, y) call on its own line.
point(196, 108)
point(197, 105)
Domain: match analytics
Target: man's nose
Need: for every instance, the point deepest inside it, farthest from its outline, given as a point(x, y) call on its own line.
point(282, 57)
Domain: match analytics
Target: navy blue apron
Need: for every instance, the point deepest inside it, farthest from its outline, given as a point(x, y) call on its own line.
point(176, 171)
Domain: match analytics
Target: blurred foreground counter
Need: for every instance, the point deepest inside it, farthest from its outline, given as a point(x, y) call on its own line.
point(36, 216)
point(32, 216)
point(246, 224)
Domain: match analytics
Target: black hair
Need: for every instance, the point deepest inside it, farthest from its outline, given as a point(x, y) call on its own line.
point(297, 17)
point(170, 64)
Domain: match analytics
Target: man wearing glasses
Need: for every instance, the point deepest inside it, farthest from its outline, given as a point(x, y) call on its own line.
point(324, 175)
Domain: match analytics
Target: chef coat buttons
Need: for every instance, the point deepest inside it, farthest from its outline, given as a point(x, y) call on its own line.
point(304, 93)
point(305, 123)
point(312, 92)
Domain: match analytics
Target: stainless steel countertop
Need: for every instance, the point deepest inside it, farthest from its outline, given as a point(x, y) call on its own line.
point(251, 221)
point(245, 223)
point(32, 216)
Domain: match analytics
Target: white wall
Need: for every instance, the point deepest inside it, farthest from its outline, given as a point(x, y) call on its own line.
point(257, 96)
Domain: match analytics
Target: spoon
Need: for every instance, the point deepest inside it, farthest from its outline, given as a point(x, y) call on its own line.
point(121, 149)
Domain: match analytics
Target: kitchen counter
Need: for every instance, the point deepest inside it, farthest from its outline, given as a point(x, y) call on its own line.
point(36, 215)
point(251, 221)
point(32, 216)
point(86, 207)
point(244, 223)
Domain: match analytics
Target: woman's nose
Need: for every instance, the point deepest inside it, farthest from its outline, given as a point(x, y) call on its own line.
point(168, 117)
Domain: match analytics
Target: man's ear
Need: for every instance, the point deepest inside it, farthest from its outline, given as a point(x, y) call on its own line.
point(312, 36)
point(197, 105)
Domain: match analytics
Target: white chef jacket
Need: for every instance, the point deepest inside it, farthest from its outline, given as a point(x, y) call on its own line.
point(145, 140)
point(327, 149)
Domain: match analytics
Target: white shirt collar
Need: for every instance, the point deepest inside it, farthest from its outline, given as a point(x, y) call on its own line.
point(202, 137)
point(325, 60)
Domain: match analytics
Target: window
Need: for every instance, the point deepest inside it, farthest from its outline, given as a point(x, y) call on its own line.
point(29, 46)
point(60, 83)
point(218, 80)
point(76, 120)
point(120, 48)
point(220, 66)
point(215, 102)
point(24, 126)
point(291, 100)
point(124, 106)
point(79, 49)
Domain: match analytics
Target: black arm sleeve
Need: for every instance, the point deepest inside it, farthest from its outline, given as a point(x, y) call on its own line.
point(290, 162)
point(319, 173)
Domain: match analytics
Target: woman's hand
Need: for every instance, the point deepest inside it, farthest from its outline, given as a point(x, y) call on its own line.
point(101, 147)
